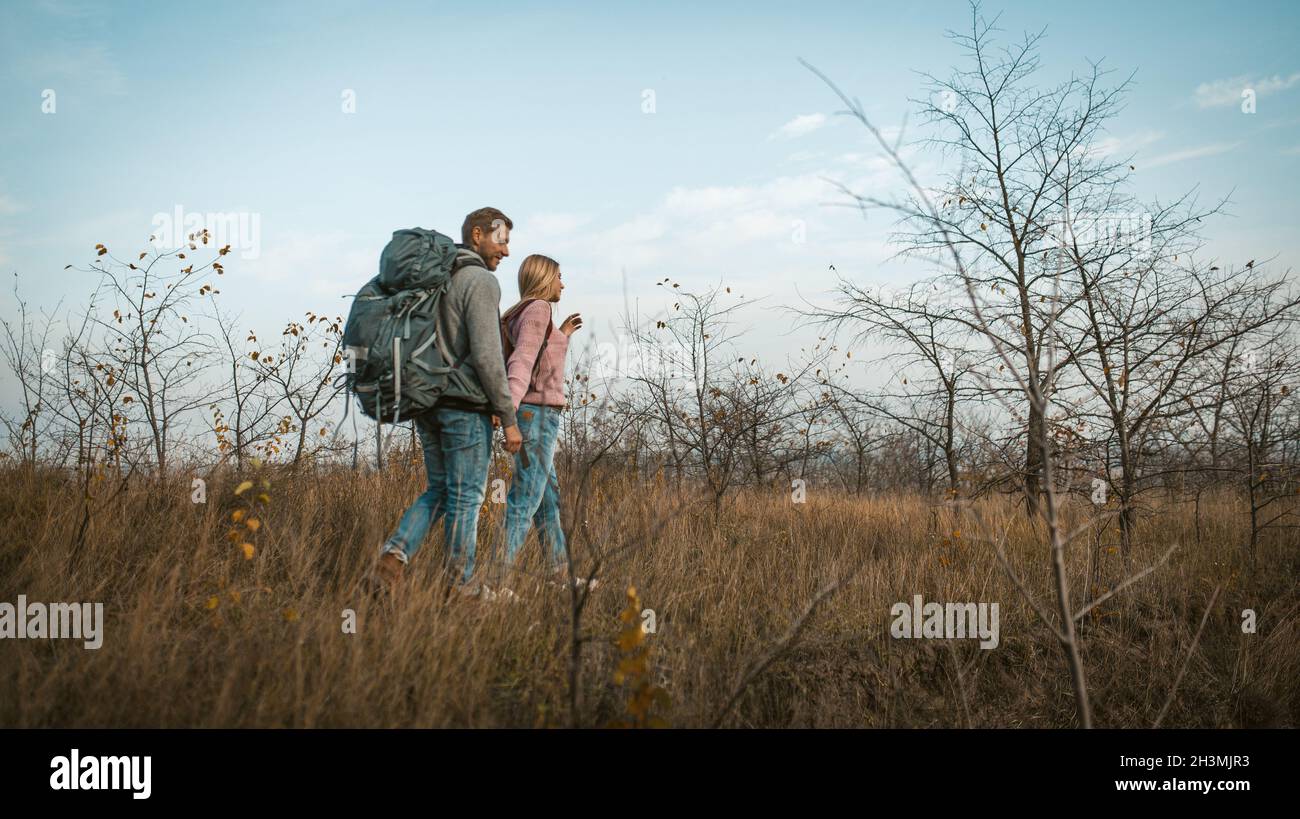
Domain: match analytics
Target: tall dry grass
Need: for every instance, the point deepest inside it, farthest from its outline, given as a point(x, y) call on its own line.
point(197, 635)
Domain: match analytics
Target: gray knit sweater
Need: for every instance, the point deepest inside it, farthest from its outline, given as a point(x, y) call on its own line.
point(470, 328)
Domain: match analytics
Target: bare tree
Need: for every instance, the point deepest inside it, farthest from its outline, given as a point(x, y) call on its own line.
point(931, 358)
point(243, 416)
point(997, 208)
point(702, 396)
point(26, 351)
point(308, 356)
point(1012, 138)
point(149, 343)
point(1262, 408)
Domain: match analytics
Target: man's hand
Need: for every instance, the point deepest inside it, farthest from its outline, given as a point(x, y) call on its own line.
point(496, 422)
point(571, 324)
point(513, 439)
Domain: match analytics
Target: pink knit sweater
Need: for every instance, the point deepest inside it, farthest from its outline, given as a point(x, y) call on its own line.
point(529, 328)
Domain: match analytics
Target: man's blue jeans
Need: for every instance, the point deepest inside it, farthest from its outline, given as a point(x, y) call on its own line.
point(457, 451)
point(535, 491)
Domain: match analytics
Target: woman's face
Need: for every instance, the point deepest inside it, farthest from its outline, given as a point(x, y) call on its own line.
point(557, 287)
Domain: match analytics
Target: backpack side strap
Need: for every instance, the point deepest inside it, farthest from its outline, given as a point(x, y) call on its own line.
point(508, 342)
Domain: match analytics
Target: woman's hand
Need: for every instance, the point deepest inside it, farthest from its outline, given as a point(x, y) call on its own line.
point(571, 324)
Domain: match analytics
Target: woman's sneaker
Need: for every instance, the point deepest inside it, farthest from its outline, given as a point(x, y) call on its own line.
point(488, 594)
point(561, 581)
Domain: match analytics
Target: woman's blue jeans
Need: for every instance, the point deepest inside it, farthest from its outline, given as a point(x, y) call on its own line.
point(457, 450)
point(535, 491)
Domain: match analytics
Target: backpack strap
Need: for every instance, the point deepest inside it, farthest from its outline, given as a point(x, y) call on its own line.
point(508, 341)
point(456, 265)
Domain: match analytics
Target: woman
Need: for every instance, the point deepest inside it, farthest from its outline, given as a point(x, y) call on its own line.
point(535, 369)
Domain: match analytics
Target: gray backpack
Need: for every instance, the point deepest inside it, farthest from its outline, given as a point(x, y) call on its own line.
point(395, 365)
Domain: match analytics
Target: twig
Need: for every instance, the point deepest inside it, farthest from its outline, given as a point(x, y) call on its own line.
point(1188, 659)
point(1128, 582)
point(1024, 592)
point(755, 669)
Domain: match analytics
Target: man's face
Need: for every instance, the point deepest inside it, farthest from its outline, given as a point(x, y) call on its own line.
point(493, 244)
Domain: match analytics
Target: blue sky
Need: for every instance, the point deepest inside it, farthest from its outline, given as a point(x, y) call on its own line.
point(537, 108)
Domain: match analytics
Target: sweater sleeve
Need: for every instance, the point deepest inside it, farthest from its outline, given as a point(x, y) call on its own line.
point(530, 331)
point(485, 346)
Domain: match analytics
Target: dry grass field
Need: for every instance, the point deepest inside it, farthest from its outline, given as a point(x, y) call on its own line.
point(198, 634)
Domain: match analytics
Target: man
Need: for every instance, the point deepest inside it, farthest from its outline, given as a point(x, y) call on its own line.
point(457, 433)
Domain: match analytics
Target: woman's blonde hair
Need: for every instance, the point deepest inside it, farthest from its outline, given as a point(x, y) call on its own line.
point(537, 276)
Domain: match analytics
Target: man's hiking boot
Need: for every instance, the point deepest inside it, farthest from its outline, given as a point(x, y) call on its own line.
point(387, 573)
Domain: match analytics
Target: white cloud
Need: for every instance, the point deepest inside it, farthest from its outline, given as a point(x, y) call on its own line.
point(1131, 145)
point(704, 202)
point(65, 8)
point(553, 224)
point(323, 265)
point(1189, 153)
point(646, 228)
point(801, 125)
point(1228, 91)
point(8, 206)
point(1124, 146)
point(767, 235)
point(803, 156)
point(79, 66)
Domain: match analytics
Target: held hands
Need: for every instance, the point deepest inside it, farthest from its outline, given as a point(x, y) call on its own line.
point(514, 440)
point(571, 324)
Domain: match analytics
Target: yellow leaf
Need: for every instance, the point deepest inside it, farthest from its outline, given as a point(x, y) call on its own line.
point(253, 524)
point(248, 551)
point(630, 639)
point(290, 615)
point(243, 487)
point(237, 515)
point(212, 602)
